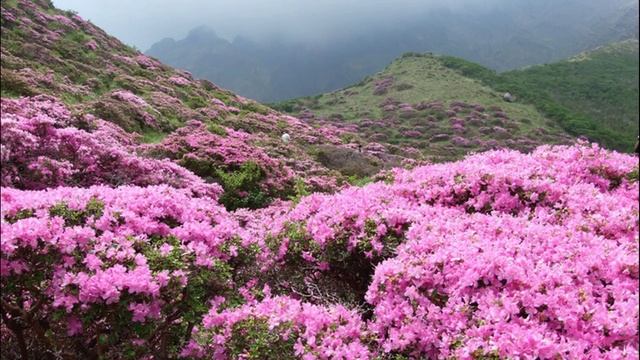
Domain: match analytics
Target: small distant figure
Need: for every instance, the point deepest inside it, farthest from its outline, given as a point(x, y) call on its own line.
point(637, 149)
point(508, 97)
point(359, 147)
point(286, 138)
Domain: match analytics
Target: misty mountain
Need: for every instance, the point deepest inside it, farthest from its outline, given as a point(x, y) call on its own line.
point(503, 35)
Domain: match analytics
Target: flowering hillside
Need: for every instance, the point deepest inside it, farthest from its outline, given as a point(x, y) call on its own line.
point(419, 102)
point(46, 51)
point(218, 240)
point(502, 255)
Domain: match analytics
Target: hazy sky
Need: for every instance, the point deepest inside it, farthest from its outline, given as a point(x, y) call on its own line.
point(143, 22)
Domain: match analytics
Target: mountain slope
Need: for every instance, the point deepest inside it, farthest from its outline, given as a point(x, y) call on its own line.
point(418, 102)
point(210, 131)
point(594, 94)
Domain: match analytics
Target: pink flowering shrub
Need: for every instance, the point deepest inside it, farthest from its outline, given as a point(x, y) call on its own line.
point(179, 80)
point(577, 200)
point(475, 287)
point(412, 133)
point(499, 255)
point(280, 328)
point(91, 45)
point(129, 97)
point(113, 273)
point(147, 62)
point(41, 148)
point(215, 153)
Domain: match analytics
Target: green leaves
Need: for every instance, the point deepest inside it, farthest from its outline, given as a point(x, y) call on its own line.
point(242, 187)
point(94, 208)
point(22, 214)
point(253, 337)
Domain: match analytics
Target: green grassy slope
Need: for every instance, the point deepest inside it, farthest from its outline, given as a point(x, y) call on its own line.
point(416, 79)
point(594, 94)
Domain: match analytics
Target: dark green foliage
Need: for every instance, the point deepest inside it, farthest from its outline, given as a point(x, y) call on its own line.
point(359, 181)
point(469, 69)
point(299, 190)
point(285, 106)
point(242, 187)
point(72, 46)
point(73, 217)
point(22, 214)
point(254, 338)
point(254, 107)
point(196, 102)
point(216, 129)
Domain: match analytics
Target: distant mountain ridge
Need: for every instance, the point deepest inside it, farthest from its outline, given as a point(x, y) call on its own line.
point(501, 35)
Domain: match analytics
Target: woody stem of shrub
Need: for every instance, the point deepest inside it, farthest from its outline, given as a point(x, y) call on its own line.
point(16, 329)
point(28, 318)
point(160, 335)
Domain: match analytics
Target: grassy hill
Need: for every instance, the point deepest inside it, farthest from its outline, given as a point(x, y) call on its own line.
point(594, 94)
point(418, 101)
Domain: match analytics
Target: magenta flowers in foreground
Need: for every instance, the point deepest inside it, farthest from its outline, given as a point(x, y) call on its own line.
point(500, 255)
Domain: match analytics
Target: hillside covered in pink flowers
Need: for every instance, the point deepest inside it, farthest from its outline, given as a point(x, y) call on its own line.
point(149, 215)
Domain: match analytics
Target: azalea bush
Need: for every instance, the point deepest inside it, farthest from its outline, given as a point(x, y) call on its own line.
point(280, 328)
point(249, 176)
point(43, 146)
point(501, 255)
point(506, 287)
point(113, 273)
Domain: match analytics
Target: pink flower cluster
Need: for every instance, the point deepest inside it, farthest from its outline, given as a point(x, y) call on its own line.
point(532, 186)
point(194, 143)
point(147, 62)
point(91, 45)
point(219, 105)
point(317, 332)
point(129, 97)
point(501, 254)
point(41, 148)
point(532, 290)
point(179, 80)
point(100, 254)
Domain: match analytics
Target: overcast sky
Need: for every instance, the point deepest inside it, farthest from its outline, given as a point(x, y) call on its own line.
point(143, 22)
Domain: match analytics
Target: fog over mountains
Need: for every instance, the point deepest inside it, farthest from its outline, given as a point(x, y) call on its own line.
point(282, 49)
point(500, 34)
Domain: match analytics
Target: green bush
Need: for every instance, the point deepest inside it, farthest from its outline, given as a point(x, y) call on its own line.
point(72, 46)
point(299, 190)
point(253, 338)
point(242, 187)
point(216, 129)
